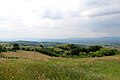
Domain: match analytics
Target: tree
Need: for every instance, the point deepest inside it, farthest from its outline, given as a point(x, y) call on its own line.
point(28, 49)
point(4, 49)
point(75, 51)
point(106, 52)
point(42, 46)
point(1, 49)
point(16, 47)
point(93, 48)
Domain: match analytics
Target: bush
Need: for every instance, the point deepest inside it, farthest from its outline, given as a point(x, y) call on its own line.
point(29, 49)
point(105, 52)
point(22, 48)
point(50, 53)
point(75, 51)
point(16, 47)
point(83, 54)
point(38, 49)
point(93, 48)
point(2, 49)
point(9, 49)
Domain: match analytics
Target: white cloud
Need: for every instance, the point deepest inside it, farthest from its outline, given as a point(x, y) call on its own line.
point(56, 18)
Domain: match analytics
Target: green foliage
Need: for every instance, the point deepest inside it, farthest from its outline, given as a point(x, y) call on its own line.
point(105, 52)
point(2, 49)
point(93, 48)
point(23, 48)
point(42, 46)
point(66, 50)
point(39, 49)
point(67, 46)
point(28, 49)
point(75, 51)
point(16, 47)
point(9, 49)
point(49, 52)
point(71, 50)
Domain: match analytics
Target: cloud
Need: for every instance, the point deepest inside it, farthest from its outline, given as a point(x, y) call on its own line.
point(102, 8)
point(108, 24)
point(59, 18)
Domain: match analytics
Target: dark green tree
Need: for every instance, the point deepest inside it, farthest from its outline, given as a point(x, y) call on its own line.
point(16, 47)
point(1, 49)
point(75, 51)
point(93, 48)
point(4, 49)
point(42, 46)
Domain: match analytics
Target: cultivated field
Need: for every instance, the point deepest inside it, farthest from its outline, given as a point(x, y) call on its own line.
point(43, 67)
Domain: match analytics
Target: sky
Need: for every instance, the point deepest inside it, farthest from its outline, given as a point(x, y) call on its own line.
point(53, 19)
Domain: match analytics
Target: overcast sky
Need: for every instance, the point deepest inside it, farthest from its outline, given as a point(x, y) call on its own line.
point(21, 19)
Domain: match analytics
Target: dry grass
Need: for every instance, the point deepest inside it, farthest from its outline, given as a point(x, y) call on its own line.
point(50, 68)
point(28, 55)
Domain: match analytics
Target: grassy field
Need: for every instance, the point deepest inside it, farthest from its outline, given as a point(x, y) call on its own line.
point(44, 67)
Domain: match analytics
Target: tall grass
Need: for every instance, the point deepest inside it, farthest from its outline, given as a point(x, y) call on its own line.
point(106, 68)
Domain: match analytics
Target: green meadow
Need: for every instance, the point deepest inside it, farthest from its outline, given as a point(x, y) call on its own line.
point(37, 66)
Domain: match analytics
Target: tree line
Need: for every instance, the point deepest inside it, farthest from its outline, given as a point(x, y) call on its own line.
point(5, 49)
point(64, 50)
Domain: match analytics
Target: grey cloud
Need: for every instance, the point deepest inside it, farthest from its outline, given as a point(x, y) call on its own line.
point(96, 3)
point(52, 14)
point(97, 8)
point(106, 11)
point(104, 18)
point(109, 26)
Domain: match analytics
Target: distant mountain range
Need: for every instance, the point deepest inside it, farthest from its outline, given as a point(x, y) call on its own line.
point(83, 41)
point(99, 41)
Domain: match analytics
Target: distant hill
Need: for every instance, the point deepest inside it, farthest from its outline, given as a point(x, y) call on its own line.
point(88, 41)
point(34, 43)
point(81, 41)
point(99, 41)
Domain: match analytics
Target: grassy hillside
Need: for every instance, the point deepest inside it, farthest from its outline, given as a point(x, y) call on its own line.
point(49, 68)
point(27, 55)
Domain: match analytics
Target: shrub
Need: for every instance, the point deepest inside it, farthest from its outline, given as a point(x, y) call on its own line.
point(38, 49)
point(93, 48)
point(22, 48)
point(9, 49)
point(28, 49)
point(50, 53)
point(16, 47)
point(105, 52)
point(75, 51)
point(83, 54)
point(2, 49)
